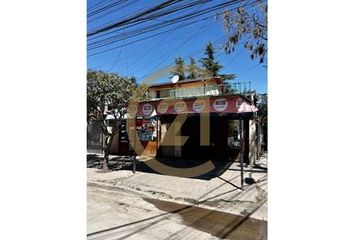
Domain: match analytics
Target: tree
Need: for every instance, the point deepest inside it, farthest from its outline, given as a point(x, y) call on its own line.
point(211, 66)
point(108, 95)
point(193, 71)
point(226, 77)
point(250, 27)
point(140, 93)
point(262, 116)
point(179, 68)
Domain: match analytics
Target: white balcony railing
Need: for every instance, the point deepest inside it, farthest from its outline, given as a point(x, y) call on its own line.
point(212, 90)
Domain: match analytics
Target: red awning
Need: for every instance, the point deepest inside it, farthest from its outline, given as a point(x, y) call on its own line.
point(213, 104)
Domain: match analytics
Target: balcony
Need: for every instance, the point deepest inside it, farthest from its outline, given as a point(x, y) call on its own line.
point(211, 90)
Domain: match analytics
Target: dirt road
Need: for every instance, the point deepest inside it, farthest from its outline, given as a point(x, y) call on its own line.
point(119, 214)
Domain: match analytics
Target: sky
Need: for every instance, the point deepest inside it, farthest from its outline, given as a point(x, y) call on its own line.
point(143, 58)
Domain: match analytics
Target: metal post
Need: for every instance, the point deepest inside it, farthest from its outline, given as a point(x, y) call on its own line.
point(257, 140)
point(134, 163)
point(134, 150)
point(157, 134)
point(241, 153)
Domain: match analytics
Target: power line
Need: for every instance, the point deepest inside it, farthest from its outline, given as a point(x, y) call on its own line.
point(116, 60)
point(162, 23)
point(237, 55)
point(120, 23)
point(179, 18)
point(141, 30)
point(200, 50)
point(98, 4)
point(104, 8)
point(166, 56)
point(150, 49)
point(180, 26)
point(111, 40)
point(111, 11)
point(148, 16)
point(249, 69)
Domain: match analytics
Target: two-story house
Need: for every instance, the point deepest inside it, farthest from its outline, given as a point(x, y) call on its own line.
point(195, 119)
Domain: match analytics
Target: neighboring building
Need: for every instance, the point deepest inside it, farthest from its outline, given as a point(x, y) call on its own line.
point(203, 104)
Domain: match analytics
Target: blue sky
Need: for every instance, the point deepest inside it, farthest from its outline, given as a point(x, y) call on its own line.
point(143, 58)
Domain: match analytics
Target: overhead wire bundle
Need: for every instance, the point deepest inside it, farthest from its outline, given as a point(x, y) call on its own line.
point(170, 14)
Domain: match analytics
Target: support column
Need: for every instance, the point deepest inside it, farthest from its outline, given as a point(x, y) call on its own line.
point(252, 142)
point(242, 150)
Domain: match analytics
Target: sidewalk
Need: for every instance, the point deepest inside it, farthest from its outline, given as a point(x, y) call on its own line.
point(221, 193)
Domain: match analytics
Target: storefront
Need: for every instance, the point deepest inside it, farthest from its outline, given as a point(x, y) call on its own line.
point(191, 128)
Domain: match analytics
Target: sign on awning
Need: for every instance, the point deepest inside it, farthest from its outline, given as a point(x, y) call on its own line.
point(222, 104)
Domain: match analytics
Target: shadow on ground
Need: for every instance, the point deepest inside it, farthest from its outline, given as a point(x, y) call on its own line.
point(219, 224)
point(126, 163)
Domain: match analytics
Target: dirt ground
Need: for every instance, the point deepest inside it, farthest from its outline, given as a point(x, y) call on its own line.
point(123, 205)
point(125, 215)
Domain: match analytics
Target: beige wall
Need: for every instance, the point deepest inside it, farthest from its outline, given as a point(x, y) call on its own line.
point(183, 85)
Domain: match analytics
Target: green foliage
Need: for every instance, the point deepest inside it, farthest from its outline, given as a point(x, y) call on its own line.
point(108, 93)
point(179, 68)
point(192, 69)
point(262, 105)
point(250, 25)
point(228, 88)
point(210, 67)
point(209, 64)
point(262, 115)
point(140, 93)
point(226, 77)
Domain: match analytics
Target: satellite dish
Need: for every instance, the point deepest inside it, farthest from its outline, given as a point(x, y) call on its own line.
point(175, 79)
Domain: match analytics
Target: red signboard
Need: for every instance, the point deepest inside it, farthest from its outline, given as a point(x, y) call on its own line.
point(217, 104)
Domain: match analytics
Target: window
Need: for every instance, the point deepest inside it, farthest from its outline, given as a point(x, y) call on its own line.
point(163, 93)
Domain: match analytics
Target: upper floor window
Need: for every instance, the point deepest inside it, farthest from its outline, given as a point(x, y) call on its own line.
point(163, 93)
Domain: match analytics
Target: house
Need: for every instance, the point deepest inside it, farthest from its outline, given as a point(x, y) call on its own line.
point(193, 119)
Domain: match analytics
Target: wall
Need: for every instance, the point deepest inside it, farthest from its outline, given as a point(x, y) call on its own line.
point(153, 89)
